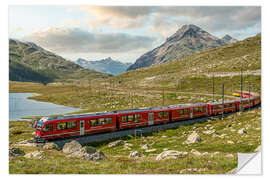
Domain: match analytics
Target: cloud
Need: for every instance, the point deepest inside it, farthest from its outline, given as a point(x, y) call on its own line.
point(17, 29)
point(122, 12)
point(213, 18)
point(75, 40)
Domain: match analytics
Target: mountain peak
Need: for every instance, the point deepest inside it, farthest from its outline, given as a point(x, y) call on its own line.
point(227, 38)
point(191, 31)
point(185, 41)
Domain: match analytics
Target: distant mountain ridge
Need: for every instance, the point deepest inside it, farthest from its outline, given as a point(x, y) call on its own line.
point(107, 65)
point(30, 62)
point(228, 39)
point(188, 40)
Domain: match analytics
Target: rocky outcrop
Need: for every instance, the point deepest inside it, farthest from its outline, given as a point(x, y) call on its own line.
point(193, 138)
point(75, 150)
point(195, 152)
point(146, 146)
point(242, 131)
point(209, 131)
point(170, 154)
point(134, 154)
point(35, 155)
point(116, 143)
point(187, 40)
point(50, 145)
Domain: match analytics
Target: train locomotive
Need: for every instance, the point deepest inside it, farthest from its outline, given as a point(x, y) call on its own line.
point(86, 124)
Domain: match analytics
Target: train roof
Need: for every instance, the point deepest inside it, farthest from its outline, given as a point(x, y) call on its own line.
point(214, 103)
point(76, 116)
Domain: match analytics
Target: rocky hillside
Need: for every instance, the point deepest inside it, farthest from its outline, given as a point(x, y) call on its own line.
point(107, 65)
point(228, 39)
point(29, 62)
point(227, 58)
point(188, 40)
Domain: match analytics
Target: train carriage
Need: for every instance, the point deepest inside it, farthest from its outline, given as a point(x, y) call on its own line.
point(216, 108)
point(75, 125)
point(132, 118)
point(180, 113)
point(198, 110)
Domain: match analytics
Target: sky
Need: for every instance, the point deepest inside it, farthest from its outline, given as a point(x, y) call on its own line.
point(123, 33)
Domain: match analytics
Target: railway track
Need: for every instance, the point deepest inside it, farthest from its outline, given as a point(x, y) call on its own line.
point(136, 131)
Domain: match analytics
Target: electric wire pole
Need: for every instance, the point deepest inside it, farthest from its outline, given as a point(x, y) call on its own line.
point(213, 88)
point(222, 100)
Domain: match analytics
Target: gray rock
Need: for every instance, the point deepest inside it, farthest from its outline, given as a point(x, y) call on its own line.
point(230, 142)
point(242, 131)
point(35, 155)
point(75, 150)
point(13, 152)
point(209, 131)
point(170, 154)
point(151, 150)
point(116, 143)
point(195, 152)
point(193, 138)
point(72, 147)
point(134, 154)
point(229, 156)
point(50, 145)
point(146, 146)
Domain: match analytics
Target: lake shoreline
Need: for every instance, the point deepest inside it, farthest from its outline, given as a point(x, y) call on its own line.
point(21, 107)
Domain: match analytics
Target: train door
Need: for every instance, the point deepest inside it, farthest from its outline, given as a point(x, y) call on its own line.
point(170, 116)
point(150, 118)
point(82, 126)
point(191, 112)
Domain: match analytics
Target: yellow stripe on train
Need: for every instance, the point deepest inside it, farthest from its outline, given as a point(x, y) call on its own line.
point(236, 94)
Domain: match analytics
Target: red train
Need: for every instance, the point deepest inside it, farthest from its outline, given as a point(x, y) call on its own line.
point(84, 124)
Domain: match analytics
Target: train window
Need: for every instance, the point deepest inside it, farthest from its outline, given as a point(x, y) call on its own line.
point(130, 118)
point(94, 122)
point(137, 117)
point(183, 111)
point(165, 113)
point(124, 118)
point(109, 120)
point(61, 126)
point(71, 125)
point(46, 128)
point(101, 121)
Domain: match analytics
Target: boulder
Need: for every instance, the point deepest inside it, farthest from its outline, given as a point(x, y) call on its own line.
point(150, 150)
point(13, 152)
point(72, 147)
point(50, 145)
point(170, 154)
point(229, 156)
point(93, 154)
point(134, 154)
point(35, 155)
point(193, 138)
point(146, 146)
point(195, 152)
point(230, 142)
point(242, 131)
point(209, 131)
point(75, 150)
point(116, 143)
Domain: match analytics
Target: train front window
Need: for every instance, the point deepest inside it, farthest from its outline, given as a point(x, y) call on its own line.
point(39, 125)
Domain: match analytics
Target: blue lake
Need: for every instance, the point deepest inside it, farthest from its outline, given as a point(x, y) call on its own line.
point(20, 106)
